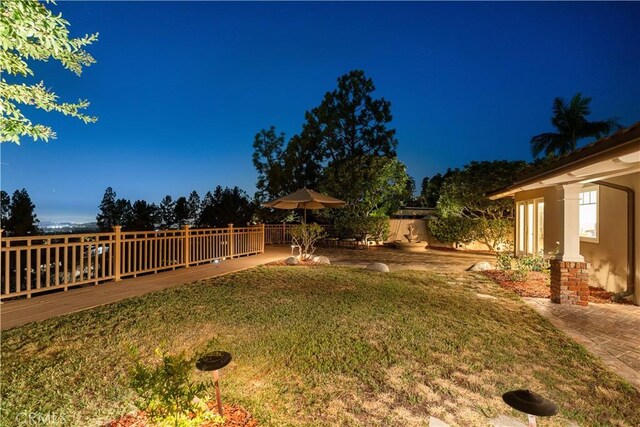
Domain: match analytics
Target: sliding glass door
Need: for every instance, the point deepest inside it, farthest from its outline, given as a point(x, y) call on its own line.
point(530, 227)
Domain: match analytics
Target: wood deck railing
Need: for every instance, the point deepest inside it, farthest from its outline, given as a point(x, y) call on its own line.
point(35, 264)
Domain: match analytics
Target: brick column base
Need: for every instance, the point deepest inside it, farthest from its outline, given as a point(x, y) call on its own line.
point(569, 282)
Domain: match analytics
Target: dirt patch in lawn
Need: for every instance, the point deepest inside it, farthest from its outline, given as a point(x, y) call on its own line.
point(234, 416)
point(536, 285)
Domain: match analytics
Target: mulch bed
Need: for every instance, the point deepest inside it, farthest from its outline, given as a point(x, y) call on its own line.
point(537, 286)
point(234, 416)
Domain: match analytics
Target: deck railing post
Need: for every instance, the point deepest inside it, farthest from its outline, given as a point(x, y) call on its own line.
point(231, 243)
point(264, 237)
point(116, 248)
point(187, 246)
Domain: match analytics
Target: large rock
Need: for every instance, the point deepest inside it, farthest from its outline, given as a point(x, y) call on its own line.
point(480, 266)
point(378, 266)
point(323, 260)
point(435, 422)
point(506, 421)
point(292, 260)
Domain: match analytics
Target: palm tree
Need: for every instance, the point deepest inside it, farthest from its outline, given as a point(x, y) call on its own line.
point(572, 125)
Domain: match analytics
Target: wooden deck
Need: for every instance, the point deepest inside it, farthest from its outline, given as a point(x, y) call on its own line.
point(23, 311)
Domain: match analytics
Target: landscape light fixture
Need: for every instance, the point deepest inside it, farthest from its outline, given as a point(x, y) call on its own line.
point(531, 404)
point(213, 362)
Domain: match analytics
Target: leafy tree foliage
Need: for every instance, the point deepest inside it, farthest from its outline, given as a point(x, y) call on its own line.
point(304, 237)
point(226, 206)
point(465, 214)
point(346, 149)
point(182, 211)
point(430, 191)
point(194, 206)
point(268, 159)
point(22, 219)
point(370, 185)
point(167, 212)
point(32, 32)
point(143, 217)
point(570, 121)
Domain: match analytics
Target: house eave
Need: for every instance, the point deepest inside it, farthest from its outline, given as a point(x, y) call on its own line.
point(615, 155)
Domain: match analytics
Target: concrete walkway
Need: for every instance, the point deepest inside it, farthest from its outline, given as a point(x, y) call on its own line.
point(41, 307)
point(610, 331)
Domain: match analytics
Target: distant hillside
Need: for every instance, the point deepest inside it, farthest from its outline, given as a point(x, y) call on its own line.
point(52, 227)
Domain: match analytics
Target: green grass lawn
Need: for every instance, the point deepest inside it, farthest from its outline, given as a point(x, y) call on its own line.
point(319, 346)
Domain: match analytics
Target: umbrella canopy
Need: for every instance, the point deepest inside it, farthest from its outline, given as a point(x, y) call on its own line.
point(305, 199)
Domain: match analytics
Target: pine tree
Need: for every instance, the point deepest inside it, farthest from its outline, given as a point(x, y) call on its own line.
point(143, 216)
point(194, 207)
point(182, 212)
point(167, 212)
point(22, 220)
point(4, 204)
point(106, 218)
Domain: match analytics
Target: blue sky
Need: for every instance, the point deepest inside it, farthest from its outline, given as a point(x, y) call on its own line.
point(182, 88)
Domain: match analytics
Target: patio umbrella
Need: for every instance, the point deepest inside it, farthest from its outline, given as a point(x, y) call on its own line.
point(305, 199)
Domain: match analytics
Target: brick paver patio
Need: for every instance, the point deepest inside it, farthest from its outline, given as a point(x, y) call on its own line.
point(610, 331)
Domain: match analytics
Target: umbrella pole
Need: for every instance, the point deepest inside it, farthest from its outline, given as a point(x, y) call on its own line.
point(305, 216)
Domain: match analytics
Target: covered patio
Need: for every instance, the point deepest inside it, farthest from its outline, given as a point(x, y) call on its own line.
point(583, 210)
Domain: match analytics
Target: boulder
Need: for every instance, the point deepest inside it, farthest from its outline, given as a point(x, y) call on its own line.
point(480, 266)
point(435, 422)
point(506, 421)
point(292, 260)
point(323, 260)
point(378, 266)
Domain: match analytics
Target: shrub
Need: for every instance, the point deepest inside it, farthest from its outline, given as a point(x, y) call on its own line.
point(504, 260)
point(167, 393)
point(369, 227)
point(527, 263)
point(451, 229)
point(378, 228)
point(305, 236)
point(534, 263)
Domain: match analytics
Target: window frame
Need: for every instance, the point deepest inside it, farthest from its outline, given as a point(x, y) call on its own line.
point(589, 239)
point(523, 224)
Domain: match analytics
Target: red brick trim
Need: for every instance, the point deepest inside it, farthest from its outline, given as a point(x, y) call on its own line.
point(570, 282)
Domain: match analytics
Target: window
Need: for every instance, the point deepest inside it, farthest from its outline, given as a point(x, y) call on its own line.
point(530, 226)
point(589, 214)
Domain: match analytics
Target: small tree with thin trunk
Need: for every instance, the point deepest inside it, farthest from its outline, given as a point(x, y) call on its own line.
point(304, 237)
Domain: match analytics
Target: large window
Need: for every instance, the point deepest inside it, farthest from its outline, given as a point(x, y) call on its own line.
point(589, 214)
point(530, 226)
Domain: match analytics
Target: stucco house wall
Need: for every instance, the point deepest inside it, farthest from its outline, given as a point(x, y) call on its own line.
point(552, 214)
point(610, 253)
point(608, 256)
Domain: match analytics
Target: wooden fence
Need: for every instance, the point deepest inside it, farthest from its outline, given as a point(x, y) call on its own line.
point(35, 264)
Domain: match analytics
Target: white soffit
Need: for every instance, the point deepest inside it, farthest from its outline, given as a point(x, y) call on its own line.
point(622, 165)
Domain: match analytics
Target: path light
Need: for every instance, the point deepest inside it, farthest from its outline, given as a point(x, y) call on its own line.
point(213, 362)
point(531, 404)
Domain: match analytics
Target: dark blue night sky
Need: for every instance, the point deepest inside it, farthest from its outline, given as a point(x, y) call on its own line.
point(182, 88)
